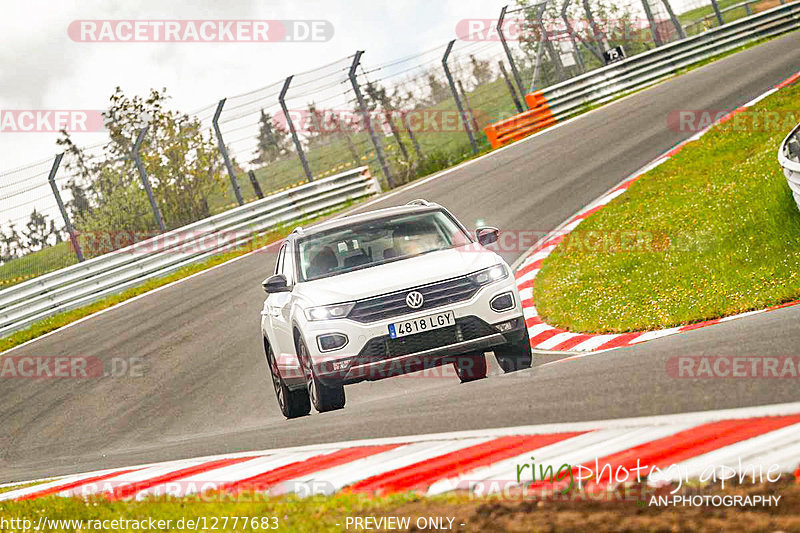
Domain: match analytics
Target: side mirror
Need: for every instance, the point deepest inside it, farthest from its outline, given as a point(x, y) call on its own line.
point(487, 235)
point(276, 283)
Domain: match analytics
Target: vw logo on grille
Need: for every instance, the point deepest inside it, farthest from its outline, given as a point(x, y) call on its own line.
point(414, 300)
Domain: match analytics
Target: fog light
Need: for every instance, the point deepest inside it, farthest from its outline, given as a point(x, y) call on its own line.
point(331, 341)
point(502, 302)
point(341, 364)
point(506, 326)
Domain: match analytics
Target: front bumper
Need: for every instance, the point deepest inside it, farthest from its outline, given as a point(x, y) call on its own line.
point(365, 367)
point(361, 360)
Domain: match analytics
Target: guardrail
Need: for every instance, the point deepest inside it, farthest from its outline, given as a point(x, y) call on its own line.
point(789, 159)
point(85, 282)
point(512, 129)
point(598, 86)
point(711, 18)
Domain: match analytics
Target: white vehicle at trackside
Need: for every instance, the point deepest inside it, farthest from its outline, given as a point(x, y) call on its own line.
point(384, 293)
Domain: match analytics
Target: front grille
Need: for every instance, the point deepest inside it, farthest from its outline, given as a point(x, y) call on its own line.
point(435, 295)
point(465, 329)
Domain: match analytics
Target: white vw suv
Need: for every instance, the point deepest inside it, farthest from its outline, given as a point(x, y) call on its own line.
point(384, 293)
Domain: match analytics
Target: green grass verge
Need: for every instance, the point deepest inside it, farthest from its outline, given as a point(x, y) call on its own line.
point(630, 509)
point(62, 319)
point(22, 486)
point(719, 234)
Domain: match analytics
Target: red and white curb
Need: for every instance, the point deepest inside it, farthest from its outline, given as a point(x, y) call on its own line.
point(683, 446)
point(546, 337)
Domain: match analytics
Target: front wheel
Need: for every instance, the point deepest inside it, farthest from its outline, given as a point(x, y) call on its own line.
point(324, 396)
point(515, 355)
point(293, 403)
point(470, 367)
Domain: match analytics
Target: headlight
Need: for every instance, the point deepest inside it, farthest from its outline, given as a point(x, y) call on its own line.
point(327, 312)
point(489, 275)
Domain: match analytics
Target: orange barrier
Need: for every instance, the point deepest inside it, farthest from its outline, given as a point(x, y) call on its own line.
point(519, 126)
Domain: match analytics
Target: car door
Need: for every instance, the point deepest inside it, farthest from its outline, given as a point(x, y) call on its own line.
point(278, 308)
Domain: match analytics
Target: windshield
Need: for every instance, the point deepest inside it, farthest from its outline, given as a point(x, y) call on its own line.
point(377, 241)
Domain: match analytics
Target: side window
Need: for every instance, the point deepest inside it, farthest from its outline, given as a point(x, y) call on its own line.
point(286, 265)
point(279, 263)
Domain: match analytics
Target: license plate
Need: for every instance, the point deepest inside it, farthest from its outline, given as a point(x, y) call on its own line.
point(425, 323)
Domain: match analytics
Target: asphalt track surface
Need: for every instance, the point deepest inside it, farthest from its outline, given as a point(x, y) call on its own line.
point(205, 387)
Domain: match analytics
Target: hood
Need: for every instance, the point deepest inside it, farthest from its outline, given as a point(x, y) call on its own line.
point(397, 275)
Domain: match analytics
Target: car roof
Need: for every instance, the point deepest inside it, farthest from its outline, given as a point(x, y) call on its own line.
point(418, 206)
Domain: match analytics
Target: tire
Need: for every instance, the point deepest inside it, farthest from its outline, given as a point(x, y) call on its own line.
point(324, 397)
point(293, 403)
point(515, 355)
point(470, 367)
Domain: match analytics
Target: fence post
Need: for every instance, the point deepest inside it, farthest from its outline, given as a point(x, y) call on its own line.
point(675, 21)
point(297, 146)
point(375, 141)
point(510, 86)
point(412, 136)
point(254, 183)
point(510, 57)
point(145, 181)
point(573, 34)
point(599, 36)
point(221, 144)
point(453, 89)
point(474, 121)
point(73, 237)
point(555, 54)
point(717, 12)
point(653, 26)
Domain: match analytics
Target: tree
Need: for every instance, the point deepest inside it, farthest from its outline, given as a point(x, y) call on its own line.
point(481, 70)
point(10, 244)
point(378, 96)
point(321, 126)
point(437, 89)
point(36, 231)
point(273, 140)
point(180, 159)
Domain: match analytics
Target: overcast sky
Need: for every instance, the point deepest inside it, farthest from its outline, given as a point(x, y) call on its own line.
point(42, 68)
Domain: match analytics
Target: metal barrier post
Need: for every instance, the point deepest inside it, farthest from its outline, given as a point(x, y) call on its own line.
point(653, 27)
point(73, 237)
point(375, 141)
point(464, 96)
point(510, 57)
point(674, 19)
point(453, 89)
point(299, 147)
point(717, 12)
point(254, 183)
point(145, 181)
point(412, 136)
point(510, 86)
point(221, 144)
